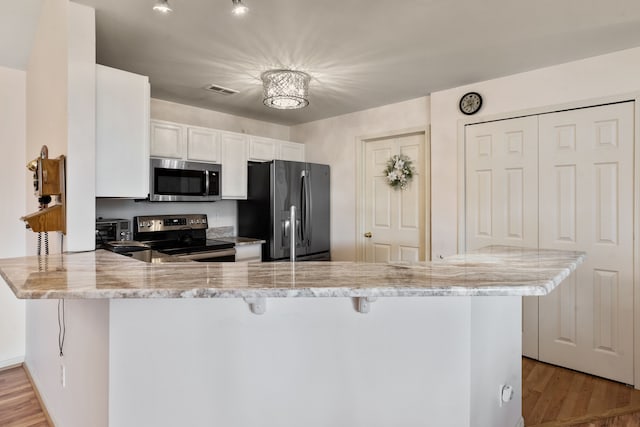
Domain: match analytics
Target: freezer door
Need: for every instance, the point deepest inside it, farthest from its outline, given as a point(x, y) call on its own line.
point(286, 189)
point(317, 221)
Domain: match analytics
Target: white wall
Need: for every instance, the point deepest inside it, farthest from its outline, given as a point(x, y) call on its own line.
point(61, 114)
point(84, 399)
point(591, 78)
point(47, 96)
point(333, 141)
point(81, 120)
point(180, 113)
point(12, 244)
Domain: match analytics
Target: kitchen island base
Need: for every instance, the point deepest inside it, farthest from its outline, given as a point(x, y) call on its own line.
point(313, 362)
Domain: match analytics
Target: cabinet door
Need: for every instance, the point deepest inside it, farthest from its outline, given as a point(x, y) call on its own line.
point(263, 149)
point(291, 151)
point(122, 133)
point(167, 140)
point(249, 253)
point(203, 145)
point(235, 154)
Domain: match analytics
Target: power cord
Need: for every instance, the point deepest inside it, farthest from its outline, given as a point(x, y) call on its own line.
point(62, 326)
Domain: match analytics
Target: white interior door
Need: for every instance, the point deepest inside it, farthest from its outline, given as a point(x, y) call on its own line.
point(586, 204)
point(502, 196)
point(394, 218)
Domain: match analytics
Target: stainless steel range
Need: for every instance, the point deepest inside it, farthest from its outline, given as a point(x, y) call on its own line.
point(181, 237)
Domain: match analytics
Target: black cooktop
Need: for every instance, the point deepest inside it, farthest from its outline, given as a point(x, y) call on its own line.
point(180, 247)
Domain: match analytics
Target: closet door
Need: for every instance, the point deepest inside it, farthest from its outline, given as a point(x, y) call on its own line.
point(586, 204)
point(502, 196)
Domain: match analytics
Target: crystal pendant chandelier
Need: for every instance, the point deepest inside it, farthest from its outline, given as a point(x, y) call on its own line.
point(285, 89)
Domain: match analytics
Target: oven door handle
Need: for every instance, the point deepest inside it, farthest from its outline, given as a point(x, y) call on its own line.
point(205, 255)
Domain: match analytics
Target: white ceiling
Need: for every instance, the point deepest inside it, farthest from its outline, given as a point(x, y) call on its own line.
point(360, 53)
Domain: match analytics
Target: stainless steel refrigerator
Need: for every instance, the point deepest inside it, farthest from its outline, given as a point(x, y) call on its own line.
point(274, 187)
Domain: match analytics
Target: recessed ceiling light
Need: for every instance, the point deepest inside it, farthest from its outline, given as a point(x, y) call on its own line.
point(162, 6)
point(239, 9)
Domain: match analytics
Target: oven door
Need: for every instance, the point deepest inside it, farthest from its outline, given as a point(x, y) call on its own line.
point(221, 255)
point(180, 181)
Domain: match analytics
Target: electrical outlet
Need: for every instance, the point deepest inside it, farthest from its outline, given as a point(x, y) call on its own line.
point(63, 376)
point(506, 394)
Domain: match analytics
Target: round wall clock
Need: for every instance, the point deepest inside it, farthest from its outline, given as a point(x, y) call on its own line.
point(470, 103)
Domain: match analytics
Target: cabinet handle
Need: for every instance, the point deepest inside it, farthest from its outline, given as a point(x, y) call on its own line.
point(368, 235)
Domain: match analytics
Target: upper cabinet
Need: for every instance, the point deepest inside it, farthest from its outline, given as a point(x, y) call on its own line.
point(232, 150)
point(203, 145)
point(262, 149)
point(234, 155)
point(122, 133)
point(265, 149)
point(291, 151)
point(167, 140)
point(178, 141)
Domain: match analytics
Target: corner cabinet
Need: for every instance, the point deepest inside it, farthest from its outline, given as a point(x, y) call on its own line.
point(234, 156)
point(122, 133)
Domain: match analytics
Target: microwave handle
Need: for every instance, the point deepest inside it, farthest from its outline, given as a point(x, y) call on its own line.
point(206, 183)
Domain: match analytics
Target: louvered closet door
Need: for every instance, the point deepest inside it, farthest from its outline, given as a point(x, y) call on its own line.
point(586, 203)
point(502, 196)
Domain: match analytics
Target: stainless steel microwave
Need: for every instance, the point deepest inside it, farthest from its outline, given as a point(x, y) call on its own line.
point(181, 181)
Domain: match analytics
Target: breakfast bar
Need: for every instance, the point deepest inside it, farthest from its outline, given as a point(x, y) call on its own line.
point(282, 344)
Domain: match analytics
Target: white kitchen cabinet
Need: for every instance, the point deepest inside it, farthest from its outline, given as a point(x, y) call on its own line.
point(249, 252)
point(122, 133)
point(234, 157)
point(167, 140)
point(263, 149)
point(291, 151)
point(203, 145)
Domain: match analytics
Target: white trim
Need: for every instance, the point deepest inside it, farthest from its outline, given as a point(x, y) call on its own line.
point(360, 185)
point(11, 363)
point(631, 96)
point(636, 245)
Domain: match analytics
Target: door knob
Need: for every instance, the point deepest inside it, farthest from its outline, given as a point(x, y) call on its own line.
point(368, 235)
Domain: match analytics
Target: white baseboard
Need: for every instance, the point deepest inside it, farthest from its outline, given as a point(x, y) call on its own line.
point(34, 384)
point(520, 423)
point(10, 363)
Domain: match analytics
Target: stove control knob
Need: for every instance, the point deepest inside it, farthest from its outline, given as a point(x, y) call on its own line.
point(204, 220)
point(197, 221)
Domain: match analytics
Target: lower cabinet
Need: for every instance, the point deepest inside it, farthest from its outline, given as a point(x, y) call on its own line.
point(249, 253)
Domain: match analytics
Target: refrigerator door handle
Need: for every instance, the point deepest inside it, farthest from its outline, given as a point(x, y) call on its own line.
point(308, 208)
point(303, 207)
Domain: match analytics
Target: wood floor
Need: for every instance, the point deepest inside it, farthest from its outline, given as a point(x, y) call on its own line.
point(19, 406)
point(554, 396)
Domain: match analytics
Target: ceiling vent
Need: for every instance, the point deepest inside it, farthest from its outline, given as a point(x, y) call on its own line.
point(221, 90)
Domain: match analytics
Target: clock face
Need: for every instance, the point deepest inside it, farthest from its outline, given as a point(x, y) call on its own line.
point(470, 103)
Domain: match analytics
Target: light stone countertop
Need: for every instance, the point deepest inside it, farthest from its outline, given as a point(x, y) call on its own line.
point(241, 241)
point(491, 271)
